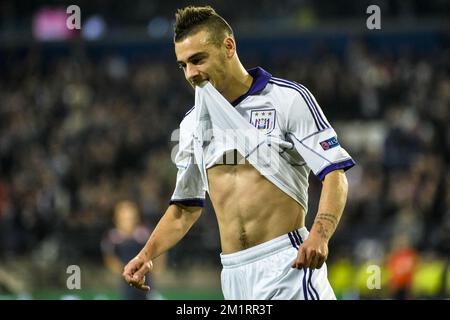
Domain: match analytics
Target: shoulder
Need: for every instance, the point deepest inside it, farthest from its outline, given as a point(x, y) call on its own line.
point(299, 98)
point(292, 94)
point(301, 102)
point(289, 87)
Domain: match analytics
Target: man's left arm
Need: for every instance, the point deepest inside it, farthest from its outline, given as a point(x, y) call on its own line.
point(314, 250)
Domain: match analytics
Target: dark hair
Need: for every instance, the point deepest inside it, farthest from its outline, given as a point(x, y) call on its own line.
point(190, 20)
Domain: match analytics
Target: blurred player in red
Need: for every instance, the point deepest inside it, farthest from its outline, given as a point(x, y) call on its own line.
point(401, 265)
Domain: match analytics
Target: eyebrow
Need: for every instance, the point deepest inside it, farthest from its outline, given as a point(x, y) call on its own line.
point(197, 55)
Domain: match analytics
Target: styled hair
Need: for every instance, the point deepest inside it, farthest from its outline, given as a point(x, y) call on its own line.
point(191, 19)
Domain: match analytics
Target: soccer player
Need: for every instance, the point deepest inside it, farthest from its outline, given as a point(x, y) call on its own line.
point(267, 253)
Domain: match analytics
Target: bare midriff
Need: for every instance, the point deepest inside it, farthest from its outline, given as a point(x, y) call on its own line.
point(250, 209)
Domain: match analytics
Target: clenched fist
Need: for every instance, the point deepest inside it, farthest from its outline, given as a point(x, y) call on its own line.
point(134, 272)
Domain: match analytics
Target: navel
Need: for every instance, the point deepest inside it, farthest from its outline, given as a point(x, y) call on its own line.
point(243, 239)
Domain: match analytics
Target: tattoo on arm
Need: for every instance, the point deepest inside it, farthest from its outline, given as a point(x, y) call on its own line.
point(331, 218)
point(322, 231)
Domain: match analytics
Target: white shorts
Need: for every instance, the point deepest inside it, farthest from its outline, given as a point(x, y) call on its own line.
point(264, 272)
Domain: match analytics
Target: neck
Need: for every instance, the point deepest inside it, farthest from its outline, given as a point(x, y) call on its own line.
point(239, 83)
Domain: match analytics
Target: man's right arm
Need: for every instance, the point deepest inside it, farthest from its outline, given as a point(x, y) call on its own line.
point(173, 226)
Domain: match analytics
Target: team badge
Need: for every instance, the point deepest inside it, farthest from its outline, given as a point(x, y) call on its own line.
point(263, 120)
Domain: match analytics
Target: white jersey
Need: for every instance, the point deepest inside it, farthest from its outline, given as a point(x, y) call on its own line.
point(277, 126)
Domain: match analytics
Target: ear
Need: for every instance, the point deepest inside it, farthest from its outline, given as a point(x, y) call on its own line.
point(230, 46)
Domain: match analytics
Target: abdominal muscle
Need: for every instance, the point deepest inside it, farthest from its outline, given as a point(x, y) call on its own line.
point(250, 209)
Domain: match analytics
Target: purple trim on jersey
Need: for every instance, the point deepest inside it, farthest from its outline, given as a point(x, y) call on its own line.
point(292, 236)
point(310, 272)
point(292, 240)
point(305, 292)
point(296, 238)
point(320, 122)
point(260, 79)
point(299, 236)
point(321, 125)
point(346, 164)
point(309, 107)
point(191, 202)
point(307, 284)
point(309, 97)
point(310, 285)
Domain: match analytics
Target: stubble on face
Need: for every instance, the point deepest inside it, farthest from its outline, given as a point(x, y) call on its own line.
point(215, 68)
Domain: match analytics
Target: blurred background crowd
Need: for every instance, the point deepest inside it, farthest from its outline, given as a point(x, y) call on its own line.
point(87, 121)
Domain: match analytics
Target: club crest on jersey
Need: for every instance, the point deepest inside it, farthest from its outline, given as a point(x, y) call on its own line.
point(263, 120)
point(329, 143)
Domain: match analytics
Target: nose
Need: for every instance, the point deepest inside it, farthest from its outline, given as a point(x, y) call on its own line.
point(192, 72)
